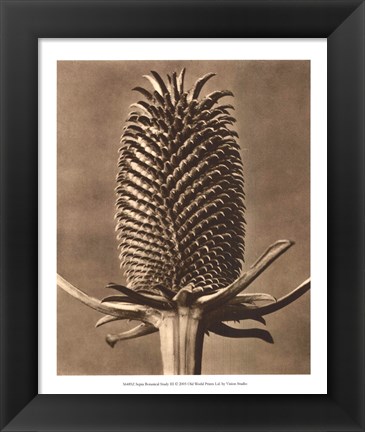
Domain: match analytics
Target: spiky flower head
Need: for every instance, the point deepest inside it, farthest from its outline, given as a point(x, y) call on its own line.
point(180, 197)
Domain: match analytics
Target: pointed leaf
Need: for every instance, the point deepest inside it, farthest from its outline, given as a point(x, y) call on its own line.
point(160, 82)
point(144, 92)
point(200, 83)
point(106, 319)
point(180, 80)
point(154, 83)
point(251, 298)
point(140, 298)
point(231, 332)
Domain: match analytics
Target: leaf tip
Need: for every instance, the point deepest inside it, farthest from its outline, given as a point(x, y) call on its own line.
point(110, 340)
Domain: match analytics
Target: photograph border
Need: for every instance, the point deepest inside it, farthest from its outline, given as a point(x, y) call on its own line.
point(248, 354)
point(22, 23)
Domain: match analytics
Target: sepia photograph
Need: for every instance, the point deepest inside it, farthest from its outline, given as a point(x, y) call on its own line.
point(183, 217)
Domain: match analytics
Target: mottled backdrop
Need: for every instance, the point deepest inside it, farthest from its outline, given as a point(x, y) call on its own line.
point(273, 121)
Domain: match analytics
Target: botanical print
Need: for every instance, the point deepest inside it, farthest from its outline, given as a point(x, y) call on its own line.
point(206, 189)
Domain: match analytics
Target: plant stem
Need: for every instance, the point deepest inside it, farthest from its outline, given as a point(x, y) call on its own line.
point(181, 337)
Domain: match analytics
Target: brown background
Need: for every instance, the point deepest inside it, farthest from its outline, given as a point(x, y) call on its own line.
point(272, 111)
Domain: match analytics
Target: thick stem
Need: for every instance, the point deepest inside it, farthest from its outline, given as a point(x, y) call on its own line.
point(181, 337)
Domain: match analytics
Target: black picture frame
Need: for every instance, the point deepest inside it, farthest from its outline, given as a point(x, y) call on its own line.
point(22, 23)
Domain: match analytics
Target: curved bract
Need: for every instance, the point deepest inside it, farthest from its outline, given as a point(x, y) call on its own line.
point(180, 189)
point(183, 320)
